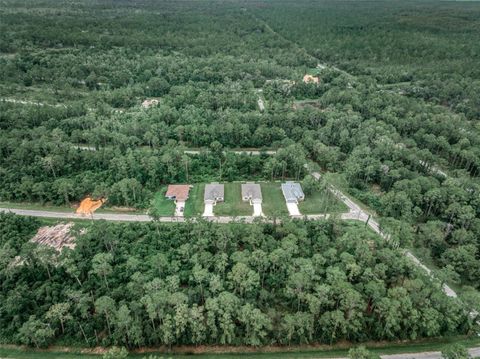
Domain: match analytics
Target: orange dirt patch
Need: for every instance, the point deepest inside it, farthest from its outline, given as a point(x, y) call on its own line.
point(89, 205)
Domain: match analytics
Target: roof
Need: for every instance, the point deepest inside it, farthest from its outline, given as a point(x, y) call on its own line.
point(292, 191)
point(251, 190)
point(310, 79)
point(214, 191)
point(178, 191)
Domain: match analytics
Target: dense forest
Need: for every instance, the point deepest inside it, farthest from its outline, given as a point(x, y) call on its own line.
point(393, 119)
point(204, 283)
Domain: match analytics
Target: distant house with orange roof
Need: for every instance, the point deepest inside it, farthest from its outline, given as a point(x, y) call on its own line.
point(178, 192)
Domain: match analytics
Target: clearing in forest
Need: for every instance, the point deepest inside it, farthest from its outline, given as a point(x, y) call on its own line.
point(57, 237)
point(89, 205)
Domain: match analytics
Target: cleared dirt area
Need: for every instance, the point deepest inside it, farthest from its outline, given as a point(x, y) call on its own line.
point(89, 205)
point(57, 237)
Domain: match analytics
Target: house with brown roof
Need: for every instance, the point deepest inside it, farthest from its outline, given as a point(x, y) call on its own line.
point(178, 192)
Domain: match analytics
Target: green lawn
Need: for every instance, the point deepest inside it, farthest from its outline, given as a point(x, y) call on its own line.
point(273, 201)
point(163, 206)
point(321, 201)
point(339, 350)
point(233, 205)
point(36, 206)
point(194, 205)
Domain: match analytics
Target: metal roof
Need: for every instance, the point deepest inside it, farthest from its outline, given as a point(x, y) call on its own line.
point(252, 191)
point(292, 191)
point(214, 191)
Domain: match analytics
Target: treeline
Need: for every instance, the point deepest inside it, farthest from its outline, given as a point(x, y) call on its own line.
point(427, 50)
point(203, 283)
point(209, 68)
point(47, 170)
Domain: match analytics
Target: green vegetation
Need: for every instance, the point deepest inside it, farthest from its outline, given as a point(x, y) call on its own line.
point(233, 205)
point(394, 117)
point(205, 283)
point(293, 352)
point(162, 206)
point(194, 205)
point(321, 201)
point(273, 203)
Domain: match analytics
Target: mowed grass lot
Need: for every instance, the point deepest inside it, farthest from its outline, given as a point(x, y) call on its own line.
point(321, 201)
point(194, 205)
point(161, 205)
point(273, 203)
point(233, 205)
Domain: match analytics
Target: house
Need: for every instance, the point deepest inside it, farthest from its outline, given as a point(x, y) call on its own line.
point(292, 191)
point(251, 192)
point(214, 192)
point(149, 103)
point(311, 79)
point(178, 192)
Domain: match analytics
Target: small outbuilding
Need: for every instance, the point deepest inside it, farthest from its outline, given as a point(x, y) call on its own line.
point(214, 192)
point(292, 191)
point(178, 192)
point(309, 79)
point(251, 192)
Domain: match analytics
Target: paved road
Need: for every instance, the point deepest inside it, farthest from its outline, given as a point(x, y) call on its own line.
point(474, 352)
point(355, 213)
point(121, 217)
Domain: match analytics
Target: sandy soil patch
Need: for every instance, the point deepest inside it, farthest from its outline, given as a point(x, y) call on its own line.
point(89, 205)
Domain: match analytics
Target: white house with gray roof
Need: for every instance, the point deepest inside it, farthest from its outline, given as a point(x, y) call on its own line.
point(292, 191)
point(251, 192)
point(214, 192)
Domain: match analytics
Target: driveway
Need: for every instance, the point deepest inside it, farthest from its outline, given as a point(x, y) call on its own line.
point(208, 211)
point(179, 207)
point(257, 210)
point(293, 209)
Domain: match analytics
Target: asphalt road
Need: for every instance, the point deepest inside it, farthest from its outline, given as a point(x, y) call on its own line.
point(474, 352)
point(354, 213)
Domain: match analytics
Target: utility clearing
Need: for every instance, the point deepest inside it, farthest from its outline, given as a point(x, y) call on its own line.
point(89, 205)
point(57, 237)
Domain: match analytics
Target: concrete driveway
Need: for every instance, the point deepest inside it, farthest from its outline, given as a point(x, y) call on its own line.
point(208, 211)
point(257, 210)
point(179, 208)
point(293, 209)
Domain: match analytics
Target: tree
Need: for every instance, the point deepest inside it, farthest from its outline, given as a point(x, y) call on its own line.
point(101, 265)
point(310, 184)
point(362, 353)
point(244, 279)
point(35, 332)
point(59, 312)
point(106, 306)
point(116, 353)
point(455, 351)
